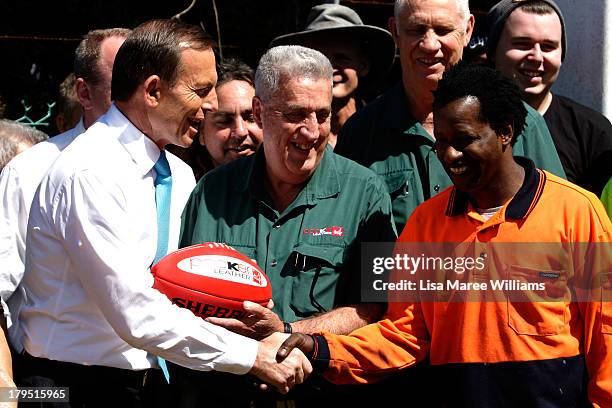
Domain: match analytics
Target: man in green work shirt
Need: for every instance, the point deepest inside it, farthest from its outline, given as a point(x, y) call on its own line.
point(394, 134)
point(297, 208)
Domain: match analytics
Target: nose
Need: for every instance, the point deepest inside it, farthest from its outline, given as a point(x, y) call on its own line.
point(209, 102)
point(447, 153)
point(239, 128)
point(536, 52)
point(310, 126)
point(430, 41)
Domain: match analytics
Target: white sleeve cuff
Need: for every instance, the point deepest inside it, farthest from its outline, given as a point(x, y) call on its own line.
point(240, 355)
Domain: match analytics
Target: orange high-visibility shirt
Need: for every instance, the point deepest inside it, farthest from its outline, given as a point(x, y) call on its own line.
point(537, 336)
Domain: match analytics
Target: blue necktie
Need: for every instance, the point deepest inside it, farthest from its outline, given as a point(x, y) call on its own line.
point(163, 190)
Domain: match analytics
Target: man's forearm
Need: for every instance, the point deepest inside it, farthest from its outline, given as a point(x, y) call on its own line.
point(342, 320)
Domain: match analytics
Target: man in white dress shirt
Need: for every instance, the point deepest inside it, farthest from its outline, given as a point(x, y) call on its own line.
point(90, 319)
point(93, 65)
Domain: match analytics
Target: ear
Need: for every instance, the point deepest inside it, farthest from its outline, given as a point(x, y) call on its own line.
point(61, 123)
point(83, 94)
point(152, 87)
point(506, 134)
point(391, 24)
point(468, 31)
point(257, 110)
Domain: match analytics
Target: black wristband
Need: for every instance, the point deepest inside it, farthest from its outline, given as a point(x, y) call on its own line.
point(319, 357)
point(287, 328)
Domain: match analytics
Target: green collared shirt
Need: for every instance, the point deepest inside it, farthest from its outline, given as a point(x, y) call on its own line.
point(384, 137)
point(311, 250)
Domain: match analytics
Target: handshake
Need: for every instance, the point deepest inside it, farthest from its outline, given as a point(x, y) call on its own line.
point(281, 360)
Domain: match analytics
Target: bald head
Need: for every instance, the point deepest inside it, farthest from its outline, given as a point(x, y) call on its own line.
point(463, 7)
point(430, 36)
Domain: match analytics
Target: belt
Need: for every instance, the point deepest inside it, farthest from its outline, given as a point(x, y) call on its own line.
point(30, 365)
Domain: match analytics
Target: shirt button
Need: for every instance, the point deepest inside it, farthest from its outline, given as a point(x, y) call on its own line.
point(273, 263)
point(437, 188)
point(405, 189)
point(277, 226)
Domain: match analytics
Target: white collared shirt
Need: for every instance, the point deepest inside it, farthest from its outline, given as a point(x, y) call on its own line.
point(92, 236)
point(18, 182)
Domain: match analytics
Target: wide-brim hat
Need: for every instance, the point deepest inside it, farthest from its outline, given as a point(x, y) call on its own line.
point(332, 20)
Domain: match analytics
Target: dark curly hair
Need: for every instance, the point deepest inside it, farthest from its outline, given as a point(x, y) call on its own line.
point(233, 69)
point(501, 102)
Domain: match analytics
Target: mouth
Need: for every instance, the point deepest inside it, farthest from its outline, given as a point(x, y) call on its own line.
point(430, 61)
point(241, 149)
point(337, 79)
point(458, 170)
point(304, 147)
point(532, 74)
point(194, 123)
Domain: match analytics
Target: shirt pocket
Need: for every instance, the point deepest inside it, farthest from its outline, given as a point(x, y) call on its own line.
point(537, 304)
point(403, 193)
point(316, 273)
point(400, 183)
point(246, 250)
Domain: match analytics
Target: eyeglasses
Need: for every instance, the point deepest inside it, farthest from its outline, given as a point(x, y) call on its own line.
point(301, 115)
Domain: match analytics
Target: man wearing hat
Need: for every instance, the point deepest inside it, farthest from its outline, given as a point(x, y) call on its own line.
point(357, 52)
point(527, 42)
point(393, 135)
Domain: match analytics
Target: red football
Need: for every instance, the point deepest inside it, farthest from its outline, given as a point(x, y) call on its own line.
point(211, 279)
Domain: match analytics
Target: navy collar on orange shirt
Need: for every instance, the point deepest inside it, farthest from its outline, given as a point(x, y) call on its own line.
point(521, 204)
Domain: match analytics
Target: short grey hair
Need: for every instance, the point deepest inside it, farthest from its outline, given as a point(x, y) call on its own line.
point(463, 8)
point(289, 61)
point(12, 134)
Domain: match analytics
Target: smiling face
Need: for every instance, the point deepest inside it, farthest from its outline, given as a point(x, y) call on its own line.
point(347, 60)
point(471, 151)
point(181, 107)
point(430, 36)
point(231, 132)
point(296, 124)
point(529, 51)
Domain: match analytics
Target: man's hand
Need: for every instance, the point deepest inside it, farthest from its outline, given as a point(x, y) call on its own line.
point(260, 322)
point(283, 375)
point(300, 341)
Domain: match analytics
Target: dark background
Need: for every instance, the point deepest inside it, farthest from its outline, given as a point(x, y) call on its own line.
point(38, 38)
